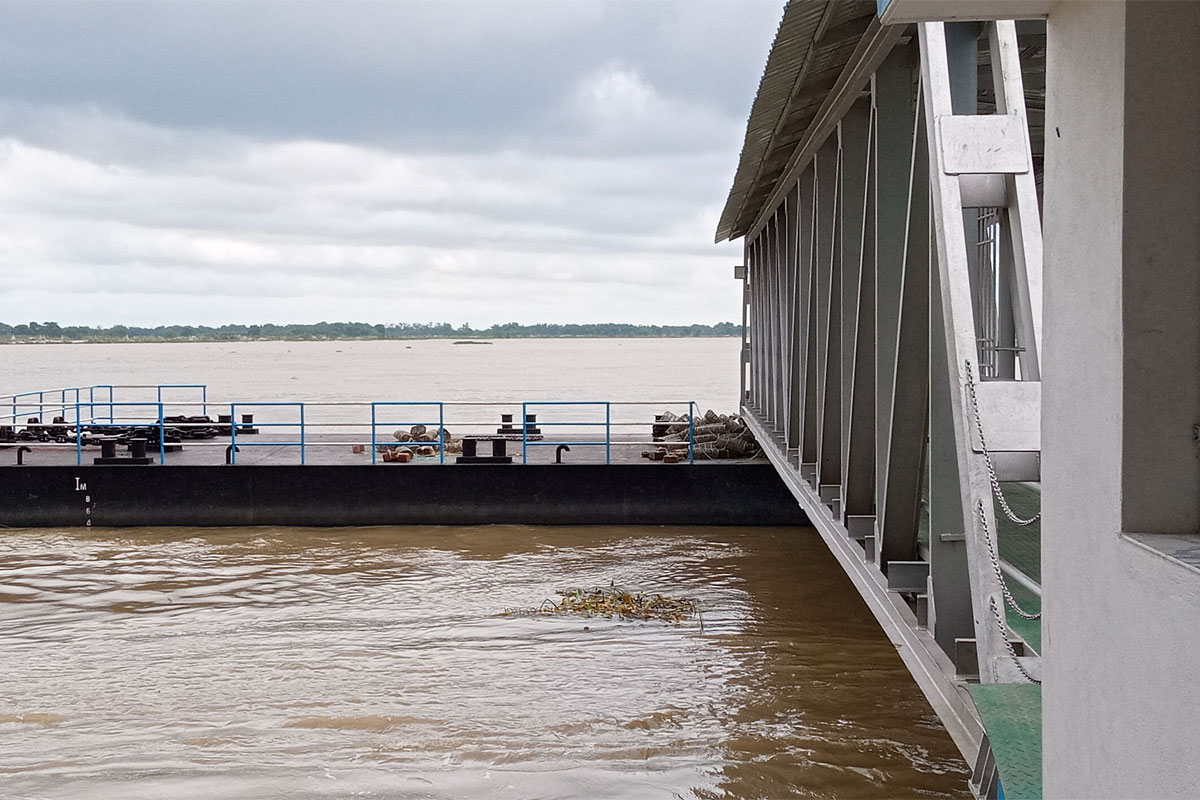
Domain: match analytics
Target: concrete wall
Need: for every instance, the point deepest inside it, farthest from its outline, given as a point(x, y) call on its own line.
point(1121, 369)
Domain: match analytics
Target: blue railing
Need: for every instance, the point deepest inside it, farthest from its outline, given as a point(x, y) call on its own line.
point(203, 387)
point(233, 427)
point(97, 406)
point(525, 442)
point(157, 423)
point(21, 406)
point(376, 422)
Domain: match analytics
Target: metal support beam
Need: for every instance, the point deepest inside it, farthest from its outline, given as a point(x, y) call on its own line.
point(899, 511)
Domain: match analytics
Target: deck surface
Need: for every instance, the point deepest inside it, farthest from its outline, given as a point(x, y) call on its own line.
point(1012, 716)
point(261, 449)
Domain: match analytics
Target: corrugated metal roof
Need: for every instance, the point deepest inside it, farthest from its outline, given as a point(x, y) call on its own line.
point(812, 46)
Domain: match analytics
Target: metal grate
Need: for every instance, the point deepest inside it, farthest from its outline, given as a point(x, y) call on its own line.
point(987, 291)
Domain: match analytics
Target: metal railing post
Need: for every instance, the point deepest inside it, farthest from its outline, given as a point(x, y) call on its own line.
point(373, 448)
point(162, 436)
point(204, 399)
point(41, 406)
point(691, 431)
point(607, 432)
point(302, 434)
point(232, 433)
point(441, 432)
point(78, 436)
point(524, 433)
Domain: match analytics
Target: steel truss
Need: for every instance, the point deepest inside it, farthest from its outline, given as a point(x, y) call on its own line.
point(893, 322)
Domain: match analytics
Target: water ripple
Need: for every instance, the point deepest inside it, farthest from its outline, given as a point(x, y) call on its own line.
point(319, 663)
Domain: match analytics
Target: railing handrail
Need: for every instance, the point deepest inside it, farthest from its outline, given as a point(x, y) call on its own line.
point(63, 403)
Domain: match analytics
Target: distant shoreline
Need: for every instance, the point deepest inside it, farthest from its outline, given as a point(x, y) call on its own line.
point(18, 341)
point(55, 333)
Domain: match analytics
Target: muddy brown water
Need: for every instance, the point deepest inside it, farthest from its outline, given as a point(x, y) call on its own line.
point(372, 662)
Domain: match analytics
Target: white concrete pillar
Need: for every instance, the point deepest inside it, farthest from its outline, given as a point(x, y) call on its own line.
point(1121, 393)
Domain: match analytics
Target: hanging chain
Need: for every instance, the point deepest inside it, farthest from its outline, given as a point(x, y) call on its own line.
point(1012, 653)
point(987, 457)
point(995, 559)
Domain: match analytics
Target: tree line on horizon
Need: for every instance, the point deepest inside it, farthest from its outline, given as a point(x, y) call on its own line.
point(52, 331)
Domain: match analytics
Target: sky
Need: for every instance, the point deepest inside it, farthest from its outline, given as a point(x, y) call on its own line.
point(467, 162)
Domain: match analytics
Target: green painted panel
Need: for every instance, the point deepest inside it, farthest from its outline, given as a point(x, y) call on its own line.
point(1012, 717)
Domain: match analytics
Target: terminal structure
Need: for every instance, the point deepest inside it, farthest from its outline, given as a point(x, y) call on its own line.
point(972, 352)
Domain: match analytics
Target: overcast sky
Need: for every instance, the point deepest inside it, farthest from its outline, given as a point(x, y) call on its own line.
point(481, 162)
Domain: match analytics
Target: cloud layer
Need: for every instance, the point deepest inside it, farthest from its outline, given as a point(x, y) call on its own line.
point(203, 164)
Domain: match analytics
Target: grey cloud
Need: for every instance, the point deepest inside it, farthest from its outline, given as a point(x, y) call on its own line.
point(298, 161)
point(432, 75)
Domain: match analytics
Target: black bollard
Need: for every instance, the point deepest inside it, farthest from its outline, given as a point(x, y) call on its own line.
point(229, 453)
point(470, 452)
point(21, 451)
point(108, 447)
point(558, 451)
point(137, 447)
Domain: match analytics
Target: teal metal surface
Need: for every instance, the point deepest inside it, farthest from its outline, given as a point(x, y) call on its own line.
point(1020, 545)
point(1012, 716)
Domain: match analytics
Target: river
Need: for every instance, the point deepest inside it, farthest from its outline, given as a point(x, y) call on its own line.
point(377, 662)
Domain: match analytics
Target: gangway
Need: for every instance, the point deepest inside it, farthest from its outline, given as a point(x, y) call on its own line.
point(888, 200)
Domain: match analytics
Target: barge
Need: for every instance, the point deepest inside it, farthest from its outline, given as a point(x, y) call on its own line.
point(168, 454)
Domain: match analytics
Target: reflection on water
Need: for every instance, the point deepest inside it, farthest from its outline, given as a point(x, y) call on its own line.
point(370, 662)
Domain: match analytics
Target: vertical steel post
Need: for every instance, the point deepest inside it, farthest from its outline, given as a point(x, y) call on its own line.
point(607, 432)
point(441, 432)
point(373, 432)
point(301, 434)
point(692, 431)
point(162, 436)
point(232, 433)
point(78, 436)
point(524, 434)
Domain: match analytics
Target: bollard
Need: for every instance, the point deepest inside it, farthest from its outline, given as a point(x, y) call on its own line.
point(108, 447)
point(21, 451)
point(137, 447)
point(229, 453)
point(558, 451)
point(471, 452)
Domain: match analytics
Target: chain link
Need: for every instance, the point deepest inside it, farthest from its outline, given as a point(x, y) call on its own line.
point(1012, 653)
point(987, 457)
point(995, 559)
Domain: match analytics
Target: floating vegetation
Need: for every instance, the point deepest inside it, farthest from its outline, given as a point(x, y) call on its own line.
point(613, 601)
